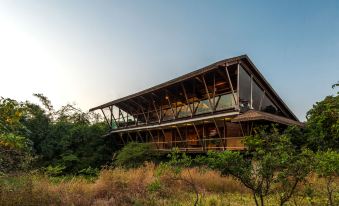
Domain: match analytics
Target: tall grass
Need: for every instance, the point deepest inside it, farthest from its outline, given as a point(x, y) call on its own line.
point(133, 187)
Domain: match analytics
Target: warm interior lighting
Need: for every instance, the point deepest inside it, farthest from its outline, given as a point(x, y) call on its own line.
point(220, 83)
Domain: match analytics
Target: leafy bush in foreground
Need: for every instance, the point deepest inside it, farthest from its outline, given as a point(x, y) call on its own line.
point(135, 154)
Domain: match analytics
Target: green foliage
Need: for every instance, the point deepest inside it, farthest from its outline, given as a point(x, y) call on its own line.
point(154, 186)
point(89, 172)
point(54, 171)
point(15, 148)
point(323, 124)
point(271, 165)
point(327, 163)
point(14, 153)
point(135, 154)
point(67, 136)
point(327, 166)
point(11, 114)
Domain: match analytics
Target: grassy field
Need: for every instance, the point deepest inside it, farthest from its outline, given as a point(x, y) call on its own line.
point(142, 186)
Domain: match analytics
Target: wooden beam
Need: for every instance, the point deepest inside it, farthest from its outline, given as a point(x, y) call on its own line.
point(214, 91)
point(130, 137)
point(208, 94)
point(152, 138)
point(219, 133)
point(106, 118)
point(198, 135)
point(179, 133)
point(170, 104)
point(122, 139)
point(112, 116)
point(230, 82)
point(156, 111)
point(186, 97)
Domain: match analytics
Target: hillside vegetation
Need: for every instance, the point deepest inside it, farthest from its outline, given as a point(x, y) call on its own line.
point(60, 157)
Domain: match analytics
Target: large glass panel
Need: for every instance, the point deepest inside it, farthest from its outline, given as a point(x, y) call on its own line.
point(268, 106)
point(245, 88)
point(225, 102)
point(257, 95)
point(184, 111)
point(203, 107)
point(168, 115)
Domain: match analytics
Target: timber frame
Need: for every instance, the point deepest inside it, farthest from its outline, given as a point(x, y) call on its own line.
point(212, 108)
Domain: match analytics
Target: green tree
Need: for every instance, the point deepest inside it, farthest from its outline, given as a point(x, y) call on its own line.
point(66, 138)
point(271, 165)
point(15, 148)
point(327, 166)
point(323, 124)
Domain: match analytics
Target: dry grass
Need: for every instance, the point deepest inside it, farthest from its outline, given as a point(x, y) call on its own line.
point(132, 187)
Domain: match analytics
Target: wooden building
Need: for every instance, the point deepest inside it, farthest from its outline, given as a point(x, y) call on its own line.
point(212, 108)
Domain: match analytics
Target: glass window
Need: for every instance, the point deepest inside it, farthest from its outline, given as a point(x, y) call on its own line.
point(245, 88)
point(268, 106)
point(203, 107)
point(168, 114)
point(184, 111)
point(257, 94)
point(226, 102)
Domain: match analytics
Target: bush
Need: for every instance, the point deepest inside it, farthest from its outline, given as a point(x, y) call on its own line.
point(54, 171)
point(89, 172)
point(135, 154)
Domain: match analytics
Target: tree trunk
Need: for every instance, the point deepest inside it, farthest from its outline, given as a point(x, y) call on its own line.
point(255, 199)
point(262, 199)
point(329, 191)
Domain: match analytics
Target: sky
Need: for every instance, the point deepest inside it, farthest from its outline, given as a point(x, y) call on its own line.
point(92, 52)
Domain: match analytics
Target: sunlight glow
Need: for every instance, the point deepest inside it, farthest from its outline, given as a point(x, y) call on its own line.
point(27, 64)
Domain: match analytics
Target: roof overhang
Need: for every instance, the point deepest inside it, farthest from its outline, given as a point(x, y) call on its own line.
point(253, 115)
point(187, 76)
point(243, 59)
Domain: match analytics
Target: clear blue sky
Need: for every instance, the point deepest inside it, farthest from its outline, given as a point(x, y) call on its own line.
point(91, 52)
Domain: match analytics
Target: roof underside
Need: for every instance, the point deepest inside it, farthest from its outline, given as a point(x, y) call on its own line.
point(244, 60)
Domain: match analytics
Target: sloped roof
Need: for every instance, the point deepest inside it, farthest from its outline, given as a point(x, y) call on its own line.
point(243, 58)
point(253, 115)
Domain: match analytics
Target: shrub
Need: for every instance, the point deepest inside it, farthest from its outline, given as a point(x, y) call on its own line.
point(135, 154)
point(54, 171)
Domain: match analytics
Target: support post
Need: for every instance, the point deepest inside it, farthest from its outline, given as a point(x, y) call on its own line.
point(106, 118)
point(230, 82)
point(207, 92)
point(186, 97)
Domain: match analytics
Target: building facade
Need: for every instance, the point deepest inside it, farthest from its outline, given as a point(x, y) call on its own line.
point(212, 108)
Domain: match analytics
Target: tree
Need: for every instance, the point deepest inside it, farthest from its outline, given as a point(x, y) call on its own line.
point(174, 168)
point(271, 165)
point(323, 124)
point(135, 154)
point(15, 148)
point(15, 153)
point(327, 166)
point(66, 138)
